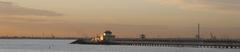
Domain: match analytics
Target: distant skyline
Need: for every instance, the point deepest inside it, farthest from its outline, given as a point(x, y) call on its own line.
point(126, 18)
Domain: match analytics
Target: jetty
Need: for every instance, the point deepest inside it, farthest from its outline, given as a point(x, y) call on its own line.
point(108, 39)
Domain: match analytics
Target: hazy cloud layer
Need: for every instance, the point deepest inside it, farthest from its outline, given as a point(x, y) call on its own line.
point(220, 6)
point(28, 20)
point(8, 8)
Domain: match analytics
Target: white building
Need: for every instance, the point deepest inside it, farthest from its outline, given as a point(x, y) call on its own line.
point(106, 37)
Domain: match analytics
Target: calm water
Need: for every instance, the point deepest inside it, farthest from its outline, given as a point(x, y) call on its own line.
point(27, 45)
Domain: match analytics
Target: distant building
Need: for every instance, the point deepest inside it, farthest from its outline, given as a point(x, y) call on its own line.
point(107, 36)
point(104, 38)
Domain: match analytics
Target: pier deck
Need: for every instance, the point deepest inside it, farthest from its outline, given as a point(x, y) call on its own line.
point(203, 43)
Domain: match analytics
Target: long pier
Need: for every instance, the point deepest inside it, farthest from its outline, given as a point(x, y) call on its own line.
point(206, 43)
point(202, 43)
point(108, 39)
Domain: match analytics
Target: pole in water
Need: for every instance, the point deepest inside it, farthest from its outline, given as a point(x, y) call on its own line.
point(49, 47)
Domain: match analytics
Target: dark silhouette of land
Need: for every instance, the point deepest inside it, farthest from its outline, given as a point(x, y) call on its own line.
point(25, 37)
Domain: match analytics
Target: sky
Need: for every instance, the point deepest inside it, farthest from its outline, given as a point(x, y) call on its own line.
point(126, 18)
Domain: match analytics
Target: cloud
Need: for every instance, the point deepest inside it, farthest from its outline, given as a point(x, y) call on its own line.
point(11, 13)
point(29, 19)
point(166, 2)
point(8, 8)
point(17, 19)
point(219, 6)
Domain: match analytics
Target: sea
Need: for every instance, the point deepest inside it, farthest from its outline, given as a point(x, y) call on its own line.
point(45, 45)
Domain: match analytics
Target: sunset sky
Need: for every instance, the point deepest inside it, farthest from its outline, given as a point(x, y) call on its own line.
point(126, 18)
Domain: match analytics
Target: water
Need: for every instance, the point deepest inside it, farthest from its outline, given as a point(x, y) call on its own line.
point(27, 45)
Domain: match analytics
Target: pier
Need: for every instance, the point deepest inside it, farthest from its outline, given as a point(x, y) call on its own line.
point(108, 39)
point(169, 43)
point(204, 43)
